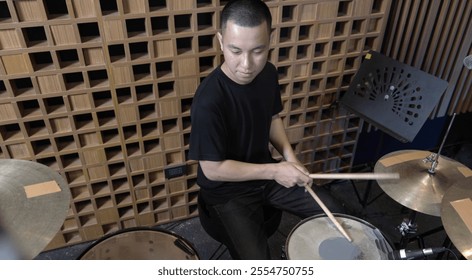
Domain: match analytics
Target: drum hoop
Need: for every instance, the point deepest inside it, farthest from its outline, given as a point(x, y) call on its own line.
point(141, 228)
point(302, 222)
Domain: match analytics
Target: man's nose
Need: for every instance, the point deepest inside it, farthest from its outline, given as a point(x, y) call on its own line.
point(246, 61)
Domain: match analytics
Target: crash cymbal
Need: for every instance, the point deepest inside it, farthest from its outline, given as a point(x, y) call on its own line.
point(417, 188)
point(456, 216)
point(34, 202)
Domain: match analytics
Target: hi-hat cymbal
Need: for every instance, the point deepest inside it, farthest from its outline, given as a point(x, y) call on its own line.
point(34, 202)
point(456, 216)
point(417, 188)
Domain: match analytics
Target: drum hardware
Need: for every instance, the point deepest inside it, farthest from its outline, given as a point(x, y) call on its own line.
point(34, 202)
point(412, 236)
point(433, 158)
point(409, 233)
point(458, 233)
point(407, 227)
point(283, 255)
point(184, 246)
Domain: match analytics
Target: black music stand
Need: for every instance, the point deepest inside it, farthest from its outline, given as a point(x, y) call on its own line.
point(392, 96)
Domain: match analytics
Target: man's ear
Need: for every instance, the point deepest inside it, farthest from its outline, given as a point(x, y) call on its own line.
point(220, 39)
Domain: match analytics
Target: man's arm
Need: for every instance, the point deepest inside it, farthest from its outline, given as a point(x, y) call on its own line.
point(287, 173)
point(279, 140)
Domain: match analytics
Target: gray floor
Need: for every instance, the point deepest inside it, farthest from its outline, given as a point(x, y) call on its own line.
point(379, 210)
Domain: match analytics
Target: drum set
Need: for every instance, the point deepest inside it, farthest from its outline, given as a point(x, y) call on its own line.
point(428, 183)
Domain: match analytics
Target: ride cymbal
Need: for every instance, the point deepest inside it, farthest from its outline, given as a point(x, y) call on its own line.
point(34, 202)
point(417, 188)
point(456, 216)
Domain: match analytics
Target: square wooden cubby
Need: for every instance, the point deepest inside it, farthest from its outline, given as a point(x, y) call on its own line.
point(10, 132)
point(5, 15)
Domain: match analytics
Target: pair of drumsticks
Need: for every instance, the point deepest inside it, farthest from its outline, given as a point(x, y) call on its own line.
point(353, 176)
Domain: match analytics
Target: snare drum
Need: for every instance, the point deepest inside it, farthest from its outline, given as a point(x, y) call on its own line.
point(317, 238)
point(140, 244)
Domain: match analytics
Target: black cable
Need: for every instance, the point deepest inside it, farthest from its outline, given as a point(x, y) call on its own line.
point(453, 253)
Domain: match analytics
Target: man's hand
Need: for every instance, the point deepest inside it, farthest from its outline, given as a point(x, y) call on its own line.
point(290, 174)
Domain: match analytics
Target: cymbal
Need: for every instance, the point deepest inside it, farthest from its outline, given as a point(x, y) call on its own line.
point(34, 202)
point(456, 216)
point(417, 188)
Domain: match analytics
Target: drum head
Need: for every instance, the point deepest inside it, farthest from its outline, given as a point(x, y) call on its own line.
point(140, 244)
point(317, 238)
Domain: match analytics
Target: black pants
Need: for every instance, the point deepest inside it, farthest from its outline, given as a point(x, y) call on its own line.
point(242, 217)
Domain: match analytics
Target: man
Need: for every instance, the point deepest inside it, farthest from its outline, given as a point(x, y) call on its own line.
point(234, 118)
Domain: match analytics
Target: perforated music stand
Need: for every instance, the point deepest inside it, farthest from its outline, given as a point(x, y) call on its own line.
point(393, 96)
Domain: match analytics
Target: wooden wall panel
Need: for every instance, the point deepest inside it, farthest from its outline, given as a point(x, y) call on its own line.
point(101, 92)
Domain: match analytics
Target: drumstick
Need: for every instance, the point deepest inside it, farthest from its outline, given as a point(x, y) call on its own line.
point(327, 212)
point(365, 176)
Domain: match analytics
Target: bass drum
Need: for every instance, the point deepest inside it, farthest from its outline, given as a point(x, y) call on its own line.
point(317, 238)
point(140, 244)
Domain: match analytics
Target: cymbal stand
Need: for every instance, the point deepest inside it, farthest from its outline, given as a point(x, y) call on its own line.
point(434, 157)
point(409, 228)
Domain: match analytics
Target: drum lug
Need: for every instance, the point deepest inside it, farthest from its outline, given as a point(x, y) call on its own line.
point(283, 255)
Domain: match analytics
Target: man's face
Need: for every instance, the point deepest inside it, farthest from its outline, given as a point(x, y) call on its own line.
point(245, 50)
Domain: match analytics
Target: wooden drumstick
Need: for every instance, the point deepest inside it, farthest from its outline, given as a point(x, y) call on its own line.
point(353, 176)
point(327, 212)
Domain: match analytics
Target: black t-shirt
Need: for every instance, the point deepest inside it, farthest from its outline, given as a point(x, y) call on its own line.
point(232, 121)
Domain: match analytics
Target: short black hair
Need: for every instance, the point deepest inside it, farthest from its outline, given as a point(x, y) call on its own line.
point(246, 13)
